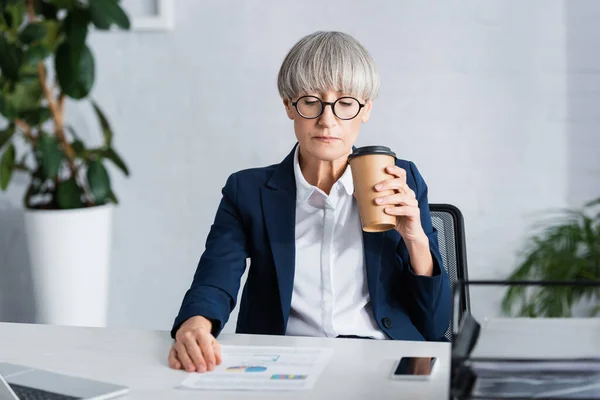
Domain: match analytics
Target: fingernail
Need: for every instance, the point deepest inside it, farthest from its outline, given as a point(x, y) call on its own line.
point(379, 201)
point(201, 368)
point(378, 186)
point(211, 367)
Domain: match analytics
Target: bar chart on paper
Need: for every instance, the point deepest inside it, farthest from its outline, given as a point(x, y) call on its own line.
point(263, 368)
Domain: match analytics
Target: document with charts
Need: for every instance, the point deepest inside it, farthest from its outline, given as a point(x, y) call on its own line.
point(263, 368)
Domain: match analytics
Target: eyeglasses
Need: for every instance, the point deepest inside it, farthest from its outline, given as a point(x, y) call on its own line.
point(311, 107)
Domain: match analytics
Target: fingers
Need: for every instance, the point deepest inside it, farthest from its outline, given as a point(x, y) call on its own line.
point(391, 184)
point(190, 343)
point(209, 354)
point(195, 354)
point(398, 199)
point(195, 348)
point(399, 178)
point(403, 211)
point(184, 358)
point(217, 348)
point(397, 172)
point(173, 360)
point(396, 184)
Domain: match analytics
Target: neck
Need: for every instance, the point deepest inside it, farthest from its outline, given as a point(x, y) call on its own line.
point(319, 173)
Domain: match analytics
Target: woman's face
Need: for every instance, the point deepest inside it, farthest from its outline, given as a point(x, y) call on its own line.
point(327, 137)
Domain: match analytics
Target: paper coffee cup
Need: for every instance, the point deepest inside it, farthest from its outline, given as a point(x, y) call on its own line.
point(368, 166)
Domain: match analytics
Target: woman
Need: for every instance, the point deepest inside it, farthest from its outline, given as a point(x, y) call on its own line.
point(313, 271)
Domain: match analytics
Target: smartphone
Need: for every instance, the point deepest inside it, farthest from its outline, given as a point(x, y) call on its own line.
point(414, 368)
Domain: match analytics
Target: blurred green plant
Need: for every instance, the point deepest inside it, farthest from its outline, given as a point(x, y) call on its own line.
point(565, 249)
point(36, 35)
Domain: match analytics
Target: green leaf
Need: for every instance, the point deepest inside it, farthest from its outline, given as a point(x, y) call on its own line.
point(46, 9)
point(106, 130)
point(9, 59)
point(15, 11)
point(78, 148)
point(112, 155)
point(6, 166)
point(33, 32)
point(100, 17)
point(65, 67)
point(67, 3)
point(7, 109)
point(51, 155)
point(75, 70)
point(27, 94)
point(98, 181)
point(37, 116)
point(76, 28)
point(50, 41)
point(104, 13)
point(6, 134)
point(120, 18)
point(68, 194)
point(35, 54)
point(112, 197)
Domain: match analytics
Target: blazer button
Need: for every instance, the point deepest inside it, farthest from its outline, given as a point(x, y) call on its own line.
point(387, 322)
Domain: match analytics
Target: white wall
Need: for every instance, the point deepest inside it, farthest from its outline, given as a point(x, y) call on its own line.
point(476, 93)
point(583, 112)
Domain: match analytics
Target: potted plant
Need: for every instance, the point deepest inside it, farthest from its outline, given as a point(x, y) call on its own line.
point(566, 249)
point(44, 59)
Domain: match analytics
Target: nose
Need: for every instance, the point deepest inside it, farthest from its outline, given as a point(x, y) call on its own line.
point(327, 119)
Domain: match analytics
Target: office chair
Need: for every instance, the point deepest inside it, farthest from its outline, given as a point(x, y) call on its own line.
point(448, 221)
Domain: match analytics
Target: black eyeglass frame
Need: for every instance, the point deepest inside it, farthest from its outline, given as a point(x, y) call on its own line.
point(327, 103)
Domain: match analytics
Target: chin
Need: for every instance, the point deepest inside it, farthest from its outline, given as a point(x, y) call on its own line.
point(328, 152)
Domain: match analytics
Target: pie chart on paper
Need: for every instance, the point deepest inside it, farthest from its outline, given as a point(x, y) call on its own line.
point(246, 368)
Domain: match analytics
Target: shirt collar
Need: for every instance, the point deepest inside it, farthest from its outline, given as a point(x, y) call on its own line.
point(346, 180)
point(304, 189)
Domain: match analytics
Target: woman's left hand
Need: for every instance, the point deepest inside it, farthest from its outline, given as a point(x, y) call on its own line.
point(403, 204)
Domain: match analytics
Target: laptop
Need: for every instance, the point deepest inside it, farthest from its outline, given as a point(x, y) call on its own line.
point(18, 382)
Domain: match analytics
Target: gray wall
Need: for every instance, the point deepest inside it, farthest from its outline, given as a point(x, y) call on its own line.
point(489, 98)
point(583, 99)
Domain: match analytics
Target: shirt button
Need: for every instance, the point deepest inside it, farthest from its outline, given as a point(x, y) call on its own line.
point(387, 322)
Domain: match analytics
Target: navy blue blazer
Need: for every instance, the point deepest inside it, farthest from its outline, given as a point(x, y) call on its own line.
point(256, 219)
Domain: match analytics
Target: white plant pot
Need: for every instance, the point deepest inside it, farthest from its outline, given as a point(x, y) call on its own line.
point(69, 251)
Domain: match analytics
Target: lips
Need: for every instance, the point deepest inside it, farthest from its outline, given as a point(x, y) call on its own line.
point(326, 138)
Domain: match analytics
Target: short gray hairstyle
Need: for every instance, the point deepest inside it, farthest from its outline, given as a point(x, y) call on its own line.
point(324, 61)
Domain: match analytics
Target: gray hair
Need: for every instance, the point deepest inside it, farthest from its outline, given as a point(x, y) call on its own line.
point(324, 61)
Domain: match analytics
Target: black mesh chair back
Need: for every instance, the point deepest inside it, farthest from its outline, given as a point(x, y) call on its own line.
point(448, 221)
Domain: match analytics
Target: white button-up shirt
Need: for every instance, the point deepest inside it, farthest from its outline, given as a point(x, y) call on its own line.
point(330, 295)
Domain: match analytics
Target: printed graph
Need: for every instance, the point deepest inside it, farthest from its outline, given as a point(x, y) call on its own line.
point(246, 368)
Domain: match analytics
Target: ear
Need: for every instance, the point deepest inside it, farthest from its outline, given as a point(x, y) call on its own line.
point(289, 108)
point(366, 111)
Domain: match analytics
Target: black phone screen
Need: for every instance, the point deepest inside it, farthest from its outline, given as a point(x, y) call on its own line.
point(415, 366)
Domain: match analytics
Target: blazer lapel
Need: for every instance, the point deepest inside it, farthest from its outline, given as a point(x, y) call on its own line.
point(279, 209)
point(373, 246)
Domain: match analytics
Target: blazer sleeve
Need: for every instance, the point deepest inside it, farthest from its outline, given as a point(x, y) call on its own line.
point(428, 297)
point(214, 289)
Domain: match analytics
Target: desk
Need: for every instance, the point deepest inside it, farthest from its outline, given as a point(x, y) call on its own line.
point(358, 369)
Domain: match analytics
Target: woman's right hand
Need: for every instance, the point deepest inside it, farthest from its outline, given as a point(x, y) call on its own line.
point(195, 348)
